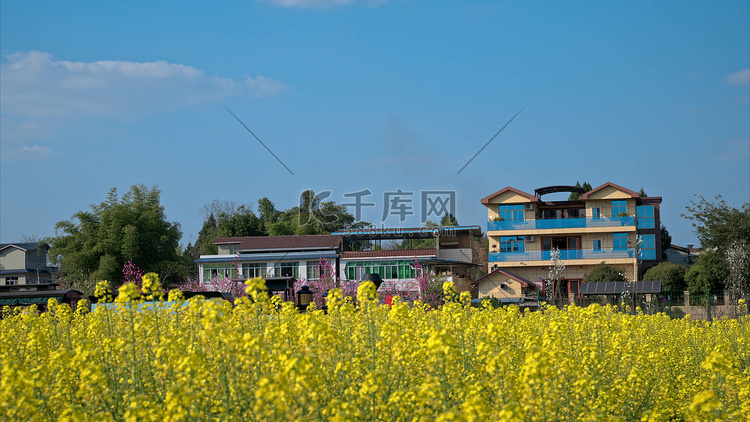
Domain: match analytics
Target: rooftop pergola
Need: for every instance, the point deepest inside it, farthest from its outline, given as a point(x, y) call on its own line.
point(560, 188)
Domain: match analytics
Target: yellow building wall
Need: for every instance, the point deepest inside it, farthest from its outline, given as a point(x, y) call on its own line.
point(509, 198)
point(587, 240)
point(490, 287)
point(572, 271)
point(606, 207)
point(527, 214)
point(609, 193)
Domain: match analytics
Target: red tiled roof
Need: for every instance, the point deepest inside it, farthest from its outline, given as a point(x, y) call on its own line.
point(632, 194)
point(532, 198)
point(281, 242)
point(388, 253)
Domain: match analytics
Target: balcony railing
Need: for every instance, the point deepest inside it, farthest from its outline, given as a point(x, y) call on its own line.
point(561, 223)
point(565, 255)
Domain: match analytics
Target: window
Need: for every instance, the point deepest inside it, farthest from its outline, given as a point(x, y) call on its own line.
point(313, 270)
point(576, 212)
point(11, 281)
point(511, 244)
point(232, 249)
point(645, 216)
point(619, 207)
point(596, 212)
point(387, 269)
point(619, 241)
point(648, 247)
point(510, 212)
point(287, 269)
point(597, 245)
point(254, 269)
point(219, 271)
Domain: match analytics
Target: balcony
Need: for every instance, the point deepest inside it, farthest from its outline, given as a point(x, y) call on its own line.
point(565, 255)
point(561, 223)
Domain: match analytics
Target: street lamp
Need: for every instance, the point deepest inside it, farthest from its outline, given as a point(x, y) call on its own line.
point(325, 301)
point(304, 298)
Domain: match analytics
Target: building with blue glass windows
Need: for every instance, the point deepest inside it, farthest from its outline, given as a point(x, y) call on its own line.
point(609, 224)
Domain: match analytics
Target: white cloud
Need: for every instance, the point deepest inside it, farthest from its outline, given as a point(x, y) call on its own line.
point(35, 84)
point(739, 78)
point(25, 152)
point(319, 4)
point(37, 149)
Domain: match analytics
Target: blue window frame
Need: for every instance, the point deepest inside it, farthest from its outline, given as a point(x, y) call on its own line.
point(597, 245)
point(648, 247)
point(510, 212)
point(619, 241)
point(619, 207)
point(645, 214)
point(512, 244)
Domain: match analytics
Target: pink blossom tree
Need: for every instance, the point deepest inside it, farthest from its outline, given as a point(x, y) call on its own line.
point(430, 286)
point(132, 274)
point(320, 285)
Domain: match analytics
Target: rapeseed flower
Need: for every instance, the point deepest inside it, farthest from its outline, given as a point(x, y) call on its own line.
point(264, 360)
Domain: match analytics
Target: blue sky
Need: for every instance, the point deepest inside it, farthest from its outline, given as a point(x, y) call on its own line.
point(378, 95)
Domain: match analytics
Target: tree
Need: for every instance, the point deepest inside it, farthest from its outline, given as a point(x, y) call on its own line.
point(717, 224)
point(642, 193)
point(448, 220)
point(709, 272)
point(737, 259)
point(218, 207)
point(604, 272)
point(206, 236)
point(575, 196)
point(666, 241)
point(267, 212)
point(318, 217)
point(312, 216)
point(671, 275)
point(425, 243)
point(96, 244)
point(556, 270)
point(720, 227)
point(284, 226)
point(203, 246)
point(243, 222)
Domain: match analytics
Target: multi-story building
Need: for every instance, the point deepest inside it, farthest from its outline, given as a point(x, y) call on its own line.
point(24, 263)
point(240, 258)
point(607, 224)
point(452, 255)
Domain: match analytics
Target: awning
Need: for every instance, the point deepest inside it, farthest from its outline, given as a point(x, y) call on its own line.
point(14, 301)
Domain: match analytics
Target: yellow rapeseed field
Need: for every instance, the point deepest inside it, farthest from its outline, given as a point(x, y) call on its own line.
point(263, 360)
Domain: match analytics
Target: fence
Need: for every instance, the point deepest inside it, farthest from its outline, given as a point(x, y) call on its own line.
point(707, 306)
